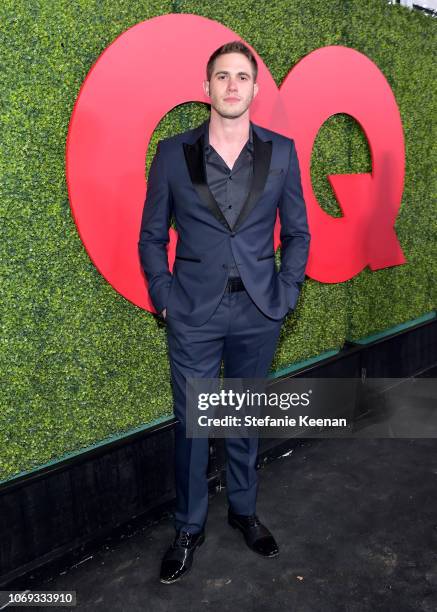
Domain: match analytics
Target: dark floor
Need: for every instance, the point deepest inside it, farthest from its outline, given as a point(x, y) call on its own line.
point(356, 522)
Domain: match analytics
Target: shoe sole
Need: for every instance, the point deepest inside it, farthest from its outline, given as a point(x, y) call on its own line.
point(198, 545)
point(236, 526)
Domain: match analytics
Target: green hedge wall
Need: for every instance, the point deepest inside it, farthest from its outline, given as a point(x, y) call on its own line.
point(79, 363)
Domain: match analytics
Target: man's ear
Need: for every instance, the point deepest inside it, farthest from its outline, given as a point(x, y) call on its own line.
point(206, 88)
point(255, 89)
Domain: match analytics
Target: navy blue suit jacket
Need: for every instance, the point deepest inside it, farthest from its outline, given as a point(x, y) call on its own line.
point(177, 187)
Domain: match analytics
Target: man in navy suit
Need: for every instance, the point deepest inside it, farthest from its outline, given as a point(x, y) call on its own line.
point(223, 183)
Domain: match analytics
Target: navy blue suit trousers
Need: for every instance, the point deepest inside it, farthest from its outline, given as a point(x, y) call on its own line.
point(240, 334)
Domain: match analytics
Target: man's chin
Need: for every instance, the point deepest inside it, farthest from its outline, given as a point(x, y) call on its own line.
point(230, 114)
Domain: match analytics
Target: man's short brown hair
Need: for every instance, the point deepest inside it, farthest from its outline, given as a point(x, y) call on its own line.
point(232, 47)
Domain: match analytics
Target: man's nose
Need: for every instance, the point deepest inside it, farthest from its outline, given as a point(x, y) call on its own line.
point(232, 84)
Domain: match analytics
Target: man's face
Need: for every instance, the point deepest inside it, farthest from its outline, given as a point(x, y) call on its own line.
point(231, 87)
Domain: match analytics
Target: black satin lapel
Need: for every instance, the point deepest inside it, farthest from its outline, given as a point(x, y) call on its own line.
point(196, 167)
point(262, 153)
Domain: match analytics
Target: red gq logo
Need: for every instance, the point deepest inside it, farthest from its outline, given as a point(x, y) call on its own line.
point(131, 87)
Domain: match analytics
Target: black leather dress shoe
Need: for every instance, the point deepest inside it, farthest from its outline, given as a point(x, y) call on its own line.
point(257, 536)
point(179, 557)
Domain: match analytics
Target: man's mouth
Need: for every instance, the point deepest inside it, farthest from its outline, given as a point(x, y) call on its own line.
point(232, 99)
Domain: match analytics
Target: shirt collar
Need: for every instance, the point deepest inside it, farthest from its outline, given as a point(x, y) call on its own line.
point(207, 146)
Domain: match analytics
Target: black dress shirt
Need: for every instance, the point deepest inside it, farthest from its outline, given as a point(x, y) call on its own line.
point(230, 187)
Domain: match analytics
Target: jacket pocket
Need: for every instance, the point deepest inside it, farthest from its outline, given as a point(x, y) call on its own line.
point(266, 257)
point(188, 258)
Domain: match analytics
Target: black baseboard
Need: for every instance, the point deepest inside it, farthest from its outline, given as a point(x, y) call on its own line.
point(77, 503)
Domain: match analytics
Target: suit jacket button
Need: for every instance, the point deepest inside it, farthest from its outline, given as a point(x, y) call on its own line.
point(225, 266)
point(233, 235)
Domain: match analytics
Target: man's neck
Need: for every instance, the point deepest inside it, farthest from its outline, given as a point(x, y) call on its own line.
point(228, 132)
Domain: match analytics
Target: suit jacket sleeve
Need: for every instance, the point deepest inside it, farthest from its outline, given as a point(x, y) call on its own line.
point(154, 235)
point(295, 237)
